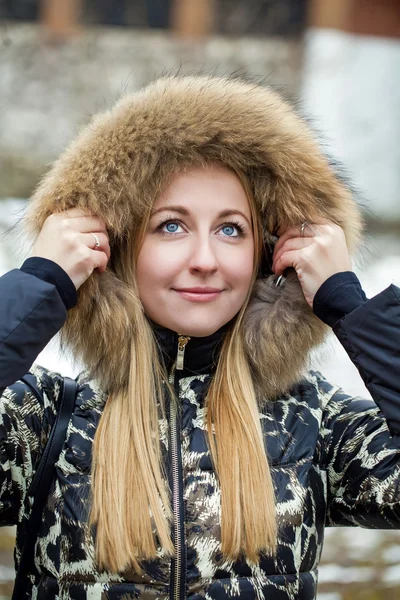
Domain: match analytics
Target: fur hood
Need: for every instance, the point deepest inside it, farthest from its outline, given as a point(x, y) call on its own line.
point(122, 160)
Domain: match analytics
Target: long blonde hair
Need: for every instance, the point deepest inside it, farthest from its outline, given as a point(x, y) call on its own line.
point(131, 504)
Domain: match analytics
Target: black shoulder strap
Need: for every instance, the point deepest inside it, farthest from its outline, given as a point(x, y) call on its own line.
point(41, 483)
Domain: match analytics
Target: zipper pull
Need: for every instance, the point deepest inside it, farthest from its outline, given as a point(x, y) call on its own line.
point(182, 341)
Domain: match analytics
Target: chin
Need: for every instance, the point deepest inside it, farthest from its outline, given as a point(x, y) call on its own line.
point(196, 329)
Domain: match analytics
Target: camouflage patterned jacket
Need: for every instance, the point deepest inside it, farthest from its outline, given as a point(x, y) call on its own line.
point(335, 460)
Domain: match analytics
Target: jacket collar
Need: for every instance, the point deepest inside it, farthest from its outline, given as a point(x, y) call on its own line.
point(201, 353)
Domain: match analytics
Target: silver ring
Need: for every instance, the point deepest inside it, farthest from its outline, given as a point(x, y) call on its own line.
point(97, 241)
point(302, 228)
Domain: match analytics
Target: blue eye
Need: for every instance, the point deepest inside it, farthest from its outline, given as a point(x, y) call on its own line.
point(172, 227)
point(229, 230)
point(232, 230)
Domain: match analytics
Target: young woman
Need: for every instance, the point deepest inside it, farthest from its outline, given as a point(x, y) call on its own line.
point(202, 458)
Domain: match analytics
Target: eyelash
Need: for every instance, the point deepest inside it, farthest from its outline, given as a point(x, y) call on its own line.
point(241, 230)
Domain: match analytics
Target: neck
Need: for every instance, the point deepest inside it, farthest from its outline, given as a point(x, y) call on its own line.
point(191, 355)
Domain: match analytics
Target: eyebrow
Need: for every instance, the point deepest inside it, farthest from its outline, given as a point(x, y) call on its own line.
point(183, 211)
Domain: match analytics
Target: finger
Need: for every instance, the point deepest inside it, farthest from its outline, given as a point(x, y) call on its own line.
point(75, 216)
point(293, 229)
point(74, 213)
point(286, 260)
point(310, 225)
point(291, 244)
point(89, 240)
point(85, 224)
point(294, 232)
point(100, 260)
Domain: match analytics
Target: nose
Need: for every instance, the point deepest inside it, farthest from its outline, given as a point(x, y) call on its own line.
point(203, 258)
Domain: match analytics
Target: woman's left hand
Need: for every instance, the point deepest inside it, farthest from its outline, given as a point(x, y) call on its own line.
point(316, 253)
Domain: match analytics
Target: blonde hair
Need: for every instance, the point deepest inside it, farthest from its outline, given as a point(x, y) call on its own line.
point(131, 504)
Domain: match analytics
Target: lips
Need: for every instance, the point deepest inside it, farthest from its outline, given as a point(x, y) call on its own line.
point(199, 290)
point(199, 294)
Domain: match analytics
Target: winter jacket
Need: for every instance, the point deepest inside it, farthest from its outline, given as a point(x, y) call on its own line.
point(334, 459)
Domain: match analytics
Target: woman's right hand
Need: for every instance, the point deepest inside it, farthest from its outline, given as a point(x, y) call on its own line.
point(67, 239)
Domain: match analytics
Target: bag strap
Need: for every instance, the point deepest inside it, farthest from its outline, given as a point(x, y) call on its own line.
point(41, 483)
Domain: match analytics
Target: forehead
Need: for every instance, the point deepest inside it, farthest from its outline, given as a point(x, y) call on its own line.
point(212, 187)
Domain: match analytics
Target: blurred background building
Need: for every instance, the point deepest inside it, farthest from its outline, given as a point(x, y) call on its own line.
point(337, 60)
point(271, 17)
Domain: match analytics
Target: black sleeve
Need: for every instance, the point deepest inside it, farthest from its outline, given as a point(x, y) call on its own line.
point(338, 295)
point(49, 271)
point(370, 335)
point(361, 438)
point(361, 462)
point(25, 423)
point(31, 313)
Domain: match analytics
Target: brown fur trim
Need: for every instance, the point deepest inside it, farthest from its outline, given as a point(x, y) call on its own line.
point(280, 329)
point(122, 160)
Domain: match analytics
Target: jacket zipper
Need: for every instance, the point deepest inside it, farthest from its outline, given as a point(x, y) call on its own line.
point(177, 477)
point(182, 341)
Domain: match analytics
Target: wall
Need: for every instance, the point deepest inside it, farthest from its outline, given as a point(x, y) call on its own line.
point(48, 92)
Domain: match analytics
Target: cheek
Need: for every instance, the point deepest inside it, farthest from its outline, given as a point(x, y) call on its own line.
point(155, 266)
point(240, 268)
